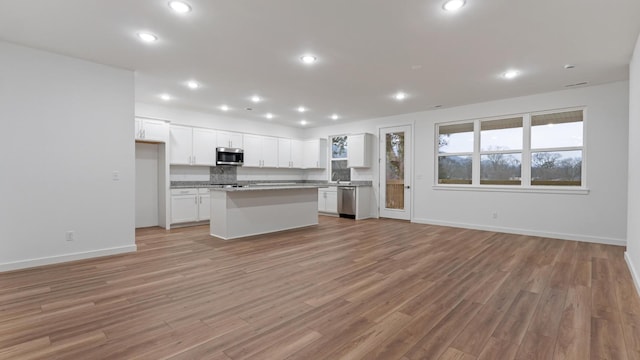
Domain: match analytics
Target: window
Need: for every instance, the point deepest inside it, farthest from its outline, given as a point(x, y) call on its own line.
point(530, 150)
point(556, 149)
point(338, 164)
point(455, 150)
point(501, 152)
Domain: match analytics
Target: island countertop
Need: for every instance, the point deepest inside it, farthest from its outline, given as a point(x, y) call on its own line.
point(268, 187)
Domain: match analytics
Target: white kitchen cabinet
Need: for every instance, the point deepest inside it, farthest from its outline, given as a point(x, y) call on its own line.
point(184, 205)
point(284, 153)
point(328, 200)
point(314, 154)
point(192, 146)
point(204, 204)
point(290, 153)
point(297, 153)
point(204, 147)
point(260, 151)
point(230, 139)
point(181, 149)
point(359, 154)
point(152, 130)
point(190, 205)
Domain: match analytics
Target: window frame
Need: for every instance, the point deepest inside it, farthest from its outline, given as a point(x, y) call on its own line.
point(331, 159)
point(526, 152)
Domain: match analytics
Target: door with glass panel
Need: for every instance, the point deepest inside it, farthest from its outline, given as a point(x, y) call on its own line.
point(395, 172)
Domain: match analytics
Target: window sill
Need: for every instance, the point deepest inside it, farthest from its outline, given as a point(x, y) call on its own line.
point(515, 189)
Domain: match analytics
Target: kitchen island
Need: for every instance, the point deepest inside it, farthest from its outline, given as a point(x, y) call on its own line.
point(259, 209)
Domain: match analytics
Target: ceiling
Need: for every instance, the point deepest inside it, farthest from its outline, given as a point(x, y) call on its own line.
point(367, 50)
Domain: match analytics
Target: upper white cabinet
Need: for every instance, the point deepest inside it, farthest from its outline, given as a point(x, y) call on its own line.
point(359, 155)
point(152, 130)
point(290, 153)
point(192, 146)
point(284, 153)
point(260, 151)
point(315, 154)
point(204, 147)
point(230, 139)
point(297, 153)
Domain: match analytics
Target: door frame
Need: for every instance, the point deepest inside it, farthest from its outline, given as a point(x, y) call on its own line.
point(411, 164)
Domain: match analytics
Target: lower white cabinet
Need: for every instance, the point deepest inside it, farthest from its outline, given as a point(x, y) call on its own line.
point(328, 200)
point(189, 205)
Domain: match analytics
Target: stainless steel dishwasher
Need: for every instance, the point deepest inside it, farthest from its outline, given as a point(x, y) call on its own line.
point(347, 201)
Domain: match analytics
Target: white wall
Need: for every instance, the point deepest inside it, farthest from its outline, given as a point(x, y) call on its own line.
point(67, 125)
point(599, 216)
point(633, 213)
point(147, 160)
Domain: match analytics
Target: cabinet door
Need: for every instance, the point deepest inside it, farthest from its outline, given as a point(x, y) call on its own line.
point(310, 160)
point(204, 147)
point(315, 154)
point(230, 139)
point(237, 140)
point(321, 196)
point(359, 155)
point(181, 145)
point(331, 202)
point(252, 151)
point(284, 153)
point(296, 154)
point(184, 208)
point(269, 152)
point(204, 207)
point(155, 130)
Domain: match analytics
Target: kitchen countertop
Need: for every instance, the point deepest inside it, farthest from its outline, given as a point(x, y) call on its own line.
point(273, 185)
point(268, 187)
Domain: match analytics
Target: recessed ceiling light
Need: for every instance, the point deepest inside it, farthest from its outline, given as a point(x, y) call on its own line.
point(453, 5)
point(308, 59)
point(303, 122)
point(400, 96)
point(256, 98)
point(179, 6)
point(335, 117)
point(301, 109)
point(511, 74)
point(147, 37)
point(269, 116)
point(193, 84)
point(165, 97)
point(224, 108)
point(569, 66)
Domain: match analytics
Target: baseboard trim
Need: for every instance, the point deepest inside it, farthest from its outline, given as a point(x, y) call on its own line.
point(562, 236)
point(25, 264)
point(634, 272)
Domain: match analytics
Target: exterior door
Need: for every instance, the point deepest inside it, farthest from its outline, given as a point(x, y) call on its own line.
point(395, 172)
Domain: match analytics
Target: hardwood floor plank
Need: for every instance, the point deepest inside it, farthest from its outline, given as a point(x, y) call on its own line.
point(371, 289)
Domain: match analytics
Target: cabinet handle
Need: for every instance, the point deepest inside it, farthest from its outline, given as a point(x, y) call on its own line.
point(201, 200)
point(144, 133)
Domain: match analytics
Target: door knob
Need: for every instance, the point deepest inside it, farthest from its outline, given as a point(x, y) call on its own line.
point(407, 187)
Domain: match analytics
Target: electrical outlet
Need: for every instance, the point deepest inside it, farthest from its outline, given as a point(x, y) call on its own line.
point(494, 215)
point(71, 235)
point(115, 176)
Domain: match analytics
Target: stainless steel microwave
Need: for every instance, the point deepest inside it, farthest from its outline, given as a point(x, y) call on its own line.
point(229, 156)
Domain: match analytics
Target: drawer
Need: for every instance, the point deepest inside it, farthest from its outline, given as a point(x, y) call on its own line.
point(189, 191)
point(203, 191)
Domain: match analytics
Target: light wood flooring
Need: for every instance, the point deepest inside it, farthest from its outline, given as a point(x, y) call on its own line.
point(371, 289)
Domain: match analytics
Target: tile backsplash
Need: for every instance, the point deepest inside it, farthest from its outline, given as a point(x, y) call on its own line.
point(223, 174)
